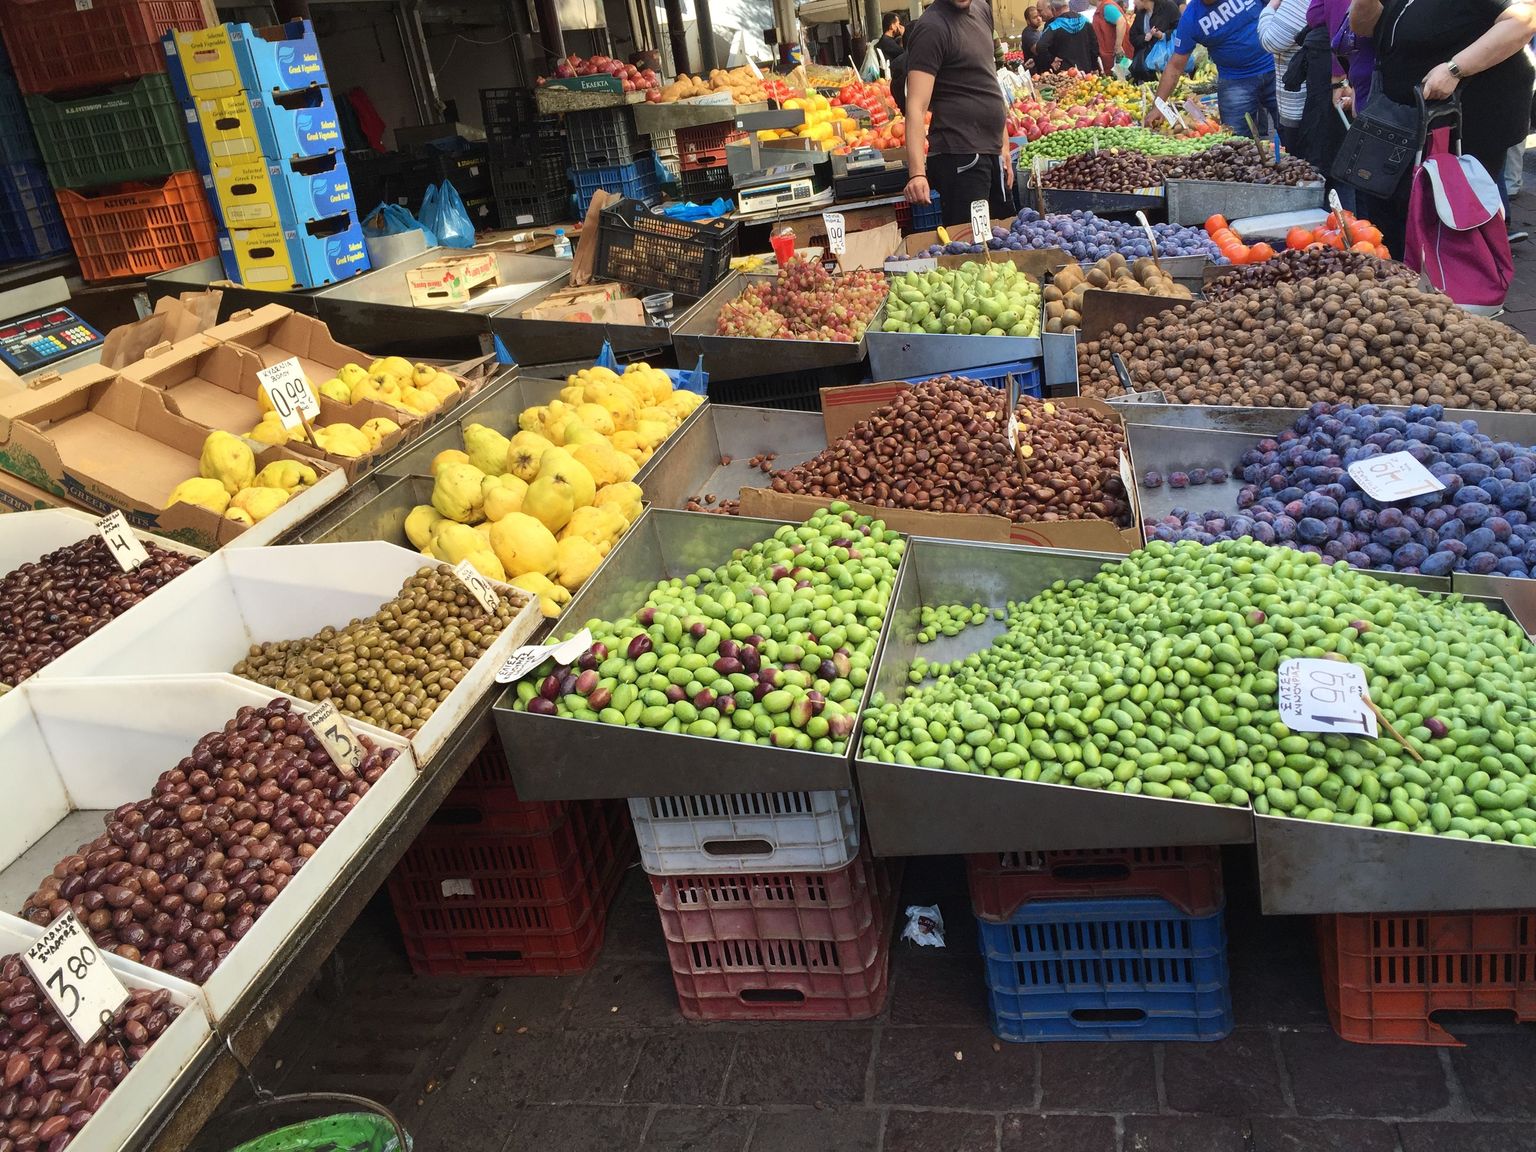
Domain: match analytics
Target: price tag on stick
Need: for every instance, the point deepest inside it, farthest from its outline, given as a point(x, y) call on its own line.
point(1395, 476)
point(73, 974)
point(1169, 112)
point(479, 587)
point(527, 658)
point(336, 736)
point(981, 223)
point(288, 390)
point(1324, 696)
point(126, 548)
point(837, 233)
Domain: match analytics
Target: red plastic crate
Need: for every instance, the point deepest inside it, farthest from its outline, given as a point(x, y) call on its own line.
point(1384, 974)
point(64, 45)
point(484, 799)
point(500, 904)
point(138, 229)
point(704, 146)
point(1003, 882)
point(837, 970)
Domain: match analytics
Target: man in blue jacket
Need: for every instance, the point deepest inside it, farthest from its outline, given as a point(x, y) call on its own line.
point(1245, 72)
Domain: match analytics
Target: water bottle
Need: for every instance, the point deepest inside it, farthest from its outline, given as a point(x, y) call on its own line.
point(562, 245)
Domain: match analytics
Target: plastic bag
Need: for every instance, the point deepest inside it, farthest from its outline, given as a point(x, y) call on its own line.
point(443, 211)
point(394, 220)
point(925, 926)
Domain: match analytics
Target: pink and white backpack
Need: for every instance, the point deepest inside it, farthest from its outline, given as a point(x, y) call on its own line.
point(1456, 232)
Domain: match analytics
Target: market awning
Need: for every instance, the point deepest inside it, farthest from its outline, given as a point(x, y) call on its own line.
point(836, 11)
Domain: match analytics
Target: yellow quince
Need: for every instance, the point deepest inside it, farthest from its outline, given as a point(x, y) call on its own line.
point(229, 460)
point(203, 492)
point(457, 493)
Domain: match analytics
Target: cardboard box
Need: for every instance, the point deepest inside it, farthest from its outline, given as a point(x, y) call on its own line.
point(280, 127)
point(258, 192)
point(594, 303)
point(842, 408)
point(811, 231)
point(231, 58)
point(451, 280)
point(102, 442)
point(16, 495)
point(309, 256)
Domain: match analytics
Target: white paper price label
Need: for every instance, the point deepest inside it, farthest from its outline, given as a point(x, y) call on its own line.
point(1146, 226)
point(1396, 476)
point(336, 736)
point(1169, 112)
point(289, 392)
point(1324, 696)
point(837, 233)
point(126, 548)
point(479, 587)
point(73, 974)
point(1335, 205)
point(526, 659)
point(981, 221)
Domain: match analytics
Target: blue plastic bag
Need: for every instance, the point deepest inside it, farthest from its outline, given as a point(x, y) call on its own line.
point(1159, 54)
point(394, 220)
point(443, 211)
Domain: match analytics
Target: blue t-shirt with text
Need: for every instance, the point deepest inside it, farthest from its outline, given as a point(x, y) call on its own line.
point(1229, 30)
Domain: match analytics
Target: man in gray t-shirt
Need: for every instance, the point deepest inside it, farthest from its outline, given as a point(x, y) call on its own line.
point(963, 155)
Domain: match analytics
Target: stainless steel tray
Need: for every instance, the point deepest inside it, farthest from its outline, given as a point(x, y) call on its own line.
point(922, 811)
point(538, 342)
point(499, 410)
point(556, 758)
point(690, 462)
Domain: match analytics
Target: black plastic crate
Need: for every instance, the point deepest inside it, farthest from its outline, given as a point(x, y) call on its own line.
point(483, 211)
point(798, 391)
point(682, 256)
point(603, 138)
point(388, 178)
point(468, 170)
point(531, 180)
point(512, 114)
point(706, 185)
point(533, 212)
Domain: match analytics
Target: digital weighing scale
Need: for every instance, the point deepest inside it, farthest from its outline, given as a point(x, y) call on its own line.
point(787, 186)
point(865, 172)
point(43, 331)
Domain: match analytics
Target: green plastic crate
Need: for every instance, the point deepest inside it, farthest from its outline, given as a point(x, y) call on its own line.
point(133, 131)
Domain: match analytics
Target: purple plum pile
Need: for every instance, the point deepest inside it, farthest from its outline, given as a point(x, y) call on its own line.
point(1298, 492)
point(1086, 237)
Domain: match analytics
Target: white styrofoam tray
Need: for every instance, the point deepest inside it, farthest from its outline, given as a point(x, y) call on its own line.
point(207, 620)
point(153, 1077)
point(77, 749)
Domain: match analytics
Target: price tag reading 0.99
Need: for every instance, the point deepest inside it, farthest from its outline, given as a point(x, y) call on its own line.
point(74, 976)
point(289, 392)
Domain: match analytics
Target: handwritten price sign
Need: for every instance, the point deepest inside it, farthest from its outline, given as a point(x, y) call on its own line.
point(1324, 696)
point(74, 976)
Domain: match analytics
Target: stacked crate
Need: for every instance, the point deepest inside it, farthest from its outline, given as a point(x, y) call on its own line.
point(770, 908)
point(267, 141)
point(527, 159)
point(1103, 944)
point(606, 151)
point(498, 886)
point(109, 134)
point(701, 155)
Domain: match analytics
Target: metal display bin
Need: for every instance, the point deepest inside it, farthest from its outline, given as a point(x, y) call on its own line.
point(499, 410)
point(927, 811)
point(557, 758)
point(538, 342)
point(689, 463)
point(912, 355)
point(375, 309)
point(740, 357)
point(209, 273)
point(1192, 202)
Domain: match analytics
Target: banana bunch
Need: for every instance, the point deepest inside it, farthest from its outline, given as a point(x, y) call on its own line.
point(228, 484)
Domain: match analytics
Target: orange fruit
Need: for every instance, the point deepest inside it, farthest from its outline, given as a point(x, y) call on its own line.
point(1298, 238)
point(1363, 246)
point(1260, 252)
point(1238, 254)
point(1214, 224)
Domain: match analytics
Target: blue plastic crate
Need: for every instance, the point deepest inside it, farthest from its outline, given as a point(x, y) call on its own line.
point(1026, 372)
point(927, 217)
point(16, 140)
point(1135, 969)
point(30, 223)
point(637, 181)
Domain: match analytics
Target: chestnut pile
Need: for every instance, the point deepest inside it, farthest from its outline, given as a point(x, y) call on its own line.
point(176, 880)
point(50, 605)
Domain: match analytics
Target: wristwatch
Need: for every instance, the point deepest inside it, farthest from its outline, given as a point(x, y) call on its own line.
point(1453, 68)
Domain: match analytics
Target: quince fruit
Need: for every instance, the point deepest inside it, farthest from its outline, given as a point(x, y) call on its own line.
point(486, 563)
point(605, 462)
point(448, 456)
point(442, 386)
point(270, 430)
point(560, 465)
point(523, 545)
point(203, 492)
point(379, 429)
point(343, 440)
point(524, 452)
point(457, 493)
point(421, 523)
point(552, 597)
point(453, 541)
point(332, 389)
point(506, 498)
point(625, 499)
point(229, 460)
point(487, 449)
point(239, 516)
point(575, 560)
point(596, 417)
point(600, 527)
point(352, 375)
point(289, 475)
point(259, 503)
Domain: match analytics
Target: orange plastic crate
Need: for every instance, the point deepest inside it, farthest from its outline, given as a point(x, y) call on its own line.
point(64, 45)
point(137, 229)
point(1383, 974)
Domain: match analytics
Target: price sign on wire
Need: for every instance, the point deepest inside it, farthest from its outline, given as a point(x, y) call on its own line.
point(479, 587)
point(529, 657)
point(837, 233)
point(288, 390)
point(73, 974)
point(126, 548)
point(336, 736)
point(1324, 696)
point(1169, 112)
point(981, 222)
point(1395, 476)
point(1146, 226)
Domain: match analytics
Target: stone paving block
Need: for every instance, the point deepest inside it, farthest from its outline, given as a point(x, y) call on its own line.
point(698, 1130)
point(939, 1132)
point(1238, 1075)
point(1271, 1134)
point(1059, 1134)
point(944, 989)
point(814, 1129)
point(809, 1065)
point(1497, 1073)
point(1332, 1077)
point(682, 1069)
point(1096, 1077)
point(619, 993)
point(920, 1067)
point(1475, 1137)
point(576, 1128)
point(1182, 1134)
point(587, 1067)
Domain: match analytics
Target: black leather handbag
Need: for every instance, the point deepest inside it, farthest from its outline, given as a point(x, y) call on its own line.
point(1383, 142)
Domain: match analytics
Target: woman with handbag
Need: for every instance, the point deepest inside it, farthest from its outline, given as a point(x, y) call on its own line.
point(1474, 47)
point(1152, 25)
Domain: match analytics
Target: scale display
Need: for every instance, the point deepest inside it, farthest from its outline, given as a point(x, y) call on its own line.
point(28, 343)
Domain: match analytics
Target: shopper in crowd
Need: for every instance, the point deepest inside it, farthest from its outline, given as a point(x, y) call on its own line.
point(1068, 41)
point(1245, 72)
point(963, 155)
point(1152, 22)
point(1326, 51)
point(1282, 27)
point(1110, 30)
point(1034, 24)
point(892, 42)
point(1472, 47)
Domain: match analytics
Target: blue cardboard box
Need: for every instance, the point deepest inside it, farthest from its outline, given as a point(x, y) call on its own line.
point(260, 192)
point(233, 58)
point(311, 256)
point(280, 127)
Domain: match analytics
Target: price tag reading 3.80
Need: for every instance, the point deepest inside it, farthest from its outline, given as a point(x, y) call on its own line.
point(74, 976)
point(336, 736)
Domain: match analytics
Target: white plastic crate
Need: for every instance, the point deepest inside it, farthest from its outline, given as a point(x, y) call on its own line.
point(746, 832)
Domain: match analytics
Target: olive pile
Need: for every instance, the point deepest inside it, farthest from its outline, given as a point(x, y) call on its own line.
point(49, 1086)
point(1339, 338)
point(942, 446)
point(50, 605)
point(1308, 264)
point(392, 668)
point(175, 880)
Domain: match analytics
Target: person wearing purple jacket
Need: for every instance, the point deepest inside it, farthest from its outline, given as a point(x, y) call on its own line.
point(1328, 88)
